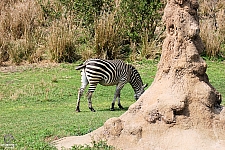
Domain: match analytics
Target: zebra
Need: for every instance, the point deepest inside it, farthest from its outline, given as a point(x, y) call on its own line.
point(108, 73)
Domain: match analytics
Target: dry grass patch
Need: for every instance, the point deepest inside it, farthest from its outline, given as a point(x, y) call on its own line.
point(212, 25)
point(18, 27)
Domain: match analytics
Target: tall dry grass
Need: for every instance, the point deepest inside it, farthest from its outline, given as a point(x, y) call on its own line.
point(64, 41)
point(212, 25)
point(65, 36)
point(33, 30)
point(19, 26)
point(151, 48)
point(108, 36)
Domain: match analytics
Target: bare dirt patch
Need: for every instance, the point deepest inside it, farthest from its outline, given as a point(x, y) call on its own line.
point(9, 67)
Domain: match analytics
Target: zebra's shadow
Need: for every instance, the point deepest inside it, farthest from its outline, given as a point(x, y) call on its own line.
point(116, 109)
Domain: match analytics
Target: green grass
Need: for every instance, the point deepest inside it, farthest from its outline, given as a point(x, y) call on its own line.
point(37, 105)
point(216, 74)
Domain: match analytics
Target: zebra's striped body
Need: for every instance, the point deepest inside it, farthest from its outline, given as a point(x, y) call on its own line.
point(108, 73)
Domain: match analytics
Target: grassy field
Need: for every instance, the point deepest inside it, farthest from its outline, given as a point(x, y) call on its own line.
point(37, 104)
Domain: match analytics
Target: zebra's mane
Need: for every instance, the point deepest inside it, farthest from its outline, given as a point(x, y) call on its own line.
point(135, 74)
point(133, 69)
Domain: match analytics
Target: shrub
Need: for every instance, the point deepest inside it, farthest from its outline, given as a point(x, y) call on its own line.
point(123, 30)
point(141, 18)
point(86, 10)
point(101, 145)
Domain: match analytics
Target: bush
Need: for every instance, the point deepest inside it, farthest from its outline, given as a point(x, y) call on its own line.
point(141, 18)
point(129, 26)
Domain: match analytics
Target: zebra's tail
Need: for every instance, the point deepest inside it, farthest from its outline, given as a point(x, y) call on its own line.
point(81, 66)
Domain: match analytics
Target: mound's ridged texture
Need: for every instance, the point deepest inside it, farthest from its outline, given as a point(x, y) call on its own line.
point(181, 109)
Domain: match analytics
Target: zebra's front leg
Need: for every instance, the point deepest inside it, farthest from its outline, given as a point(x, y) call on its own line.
point(89, 101)
point(113, 102)
point(117, 94)
point(120, 106)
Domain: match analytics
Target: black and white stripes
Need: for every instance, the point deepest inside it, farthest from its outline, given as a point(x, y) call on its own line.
point(108, 73)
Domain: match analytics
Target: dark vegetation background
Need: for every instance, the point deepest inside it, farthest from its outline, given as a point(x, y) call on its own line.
point(69, 30)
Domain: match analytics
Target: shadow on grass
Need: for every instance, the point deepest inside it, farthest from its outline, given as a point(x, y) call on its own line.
point(116, 109)
point(103, 109)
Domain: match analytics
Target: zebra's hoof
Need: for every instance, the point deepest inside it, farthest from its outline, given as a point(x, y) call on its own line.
point(92, 109)
point(77, 110)
point(112, 109)
point(120, 106)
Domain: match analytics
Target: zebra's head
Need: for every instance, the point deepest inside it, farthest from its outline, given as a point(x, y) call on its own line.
point(136, 83)
point(138, 94)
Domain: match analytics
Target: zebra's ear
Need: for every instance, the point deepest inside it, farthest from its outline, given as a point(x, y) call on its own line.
point(145, 85)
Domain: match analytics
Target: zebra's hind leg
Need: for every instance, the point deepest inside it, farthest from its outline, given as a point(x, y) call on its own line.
point(84, 83)
point(89, 101)
point(80, 93)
